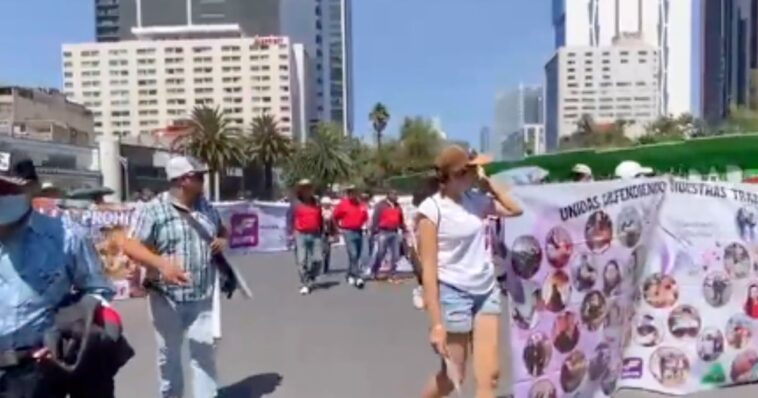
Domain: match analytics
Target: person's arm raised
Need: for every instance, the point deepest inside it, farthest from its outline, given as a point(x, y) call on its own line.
point(504, 204)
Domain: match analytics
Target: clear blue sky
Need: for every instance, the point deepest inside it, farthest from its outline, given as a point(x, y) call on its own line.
point(444, 58)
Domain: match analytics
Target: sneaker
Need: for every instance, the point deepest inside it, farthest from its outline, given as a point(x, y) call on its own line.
point(351, 281)
point(305, 290)
point(418, 298)
point(359, 283)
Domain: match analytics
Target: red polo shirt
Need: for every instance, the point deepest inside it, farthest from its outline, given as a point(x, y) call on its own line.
point(350, 215)
point(306, 217)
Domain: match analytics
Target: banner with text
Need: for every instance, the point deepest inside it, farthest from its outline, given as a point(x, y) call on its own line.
point(649, 284)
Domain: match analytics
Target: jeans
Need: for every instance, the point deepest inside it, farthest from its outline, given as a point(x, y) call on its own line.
point(459, 308)
point(386, 241)
point(354, 244)
point(172, 321)
point(309, 252)
point(327, 253)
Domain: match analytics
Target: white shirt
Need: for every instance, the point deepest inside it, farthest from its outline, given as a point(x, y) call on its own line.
point(464, 259)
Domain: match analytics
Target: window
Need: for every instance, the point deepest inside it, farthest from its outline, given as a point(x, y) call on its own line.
point(284, 88)
point(118, 62)
point(203, 60)
point(266, 99)
point(146, 82)
point(148, 112)
point(67, 54)
point(122, 102)
point(174, 71)
point(283, 56)
point(148, 61)
point(176, 101)
point(230, 48)
point(202, 80)
point(119, 93)
point(173, 60)
point(148, 92)
point(203, 90)
point(120, 114)
point(284, 67)
point(285, 98)
point(230, 59)
point(233, 79)
point(203, 70)
point(178, 90)
point(92, 73)
point(284, 109)
point(145, 72)
point(202, 49)
point(228, 69)
point(623, 84)
point(174, 81)
point(174, 50)
point(145, 51)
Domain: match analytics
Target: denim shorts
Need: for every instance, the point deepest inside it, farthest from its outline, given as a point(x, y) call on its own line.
point(459, 308)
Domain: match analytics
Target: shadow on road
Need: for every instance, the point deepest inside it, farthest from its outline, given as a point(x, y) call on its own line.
point(256, 386)
point(325, 285)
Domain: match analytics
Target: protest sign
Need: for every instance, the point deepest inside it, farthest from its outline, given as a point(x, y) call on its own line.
point(647, 284)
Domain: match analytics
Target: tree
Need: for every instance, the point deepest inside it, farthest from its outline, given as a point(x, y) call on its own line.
point(741, 120)
point(379, 117)
point(589, 134)
point(671, 129)
point(267, 146)
point(420, 142)
point(211, 139)
point(325, 158)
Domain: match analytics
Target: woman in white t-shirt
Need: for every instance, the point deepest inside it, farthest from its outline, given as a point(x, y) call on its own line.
point(461, 294)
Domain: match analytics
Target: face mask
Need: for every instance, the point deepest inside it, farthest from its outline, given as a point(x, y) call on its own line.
point(13, 208)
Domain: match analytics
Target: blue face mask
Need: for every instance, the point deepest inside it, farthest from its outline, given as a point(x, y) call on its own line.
point(13, 208)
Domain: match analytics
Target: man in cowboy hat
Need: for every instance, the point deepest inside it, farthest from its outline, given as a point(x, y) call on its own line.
point(305, 227)
point(351, 216)
point(42, 260)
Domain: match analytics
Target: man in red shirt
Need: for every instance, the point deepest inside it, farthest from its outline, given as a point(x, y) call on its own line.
point(305, 225)
point(386, 225)
point(351, 216)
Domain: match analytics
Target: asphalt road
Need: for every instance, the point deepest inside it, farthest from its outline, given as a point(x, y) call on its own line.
point(336, 343)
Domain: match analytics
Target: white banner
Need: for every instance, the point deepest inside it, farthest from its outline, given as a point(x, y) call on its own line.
point(648, 284)
point(255, 226)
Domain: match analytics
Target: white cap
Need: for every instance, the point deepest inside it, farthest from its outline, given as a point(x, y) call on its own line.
point(180, 166)
point(629, 169)
point(326, 201)
point(581, 168)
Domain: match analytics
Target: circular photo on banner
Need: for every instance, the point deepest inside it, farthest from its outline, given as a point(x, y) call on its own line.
point(598, 232)
point(526, 255)
point(537, 354)
point(600, 362)
point(670, 366)
point(611, 278)
point(745, 222)
point(660, 291)
point(525, 316)
point(573, 370)
point(737, 261)
point(684, 321)
point(629, 226)
point(710, 345)
point(558, 247)
point(608, 382)
point(585, 273)
point(739, 331)
point(647, 332)
point(566, 332)
point(614, 316)
point(742, 367)
point(593, 310)
point(751, 303)
point(556, 291)
point(543, 388)
point(717, 288)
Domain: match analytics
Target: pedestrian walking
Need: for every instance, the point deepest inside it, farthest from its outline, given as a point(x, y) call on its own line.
point(305, 227)
point(171, 223)
point(42, 261)
point(387, 230)
point(331, 233)
point(351, 216)
point(461, 296)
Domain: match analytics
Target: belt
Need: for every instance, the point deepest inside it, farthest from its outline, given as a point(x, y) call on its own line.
point(11, 358)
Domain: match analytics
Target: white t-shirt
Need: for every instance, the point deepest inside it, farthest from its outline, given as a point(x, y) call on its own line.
point(464, 259)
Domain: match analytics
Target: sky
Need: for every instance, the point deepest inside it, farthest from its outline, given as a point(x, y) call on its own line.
point(433, 58)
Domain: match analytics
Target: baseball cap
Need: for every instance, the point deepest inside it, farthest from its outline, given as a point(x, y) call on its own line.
point(304, 183)
point(629, 169)
point(16, 170)
point(180, 166)
point(581, 168)
point(454, 158)
point(326, 201)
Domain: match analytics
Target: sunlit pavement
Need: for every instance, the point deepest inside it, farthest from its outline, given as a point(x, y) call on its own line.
point(336, 343)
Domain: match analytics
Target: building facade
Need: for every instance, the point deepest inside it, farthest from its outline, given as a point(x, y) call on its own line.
point(668, 25)
point(513, 111)
point(138, 87)
point(608, 83)
point(729, 56)
point(44, 115)
point(324, 27)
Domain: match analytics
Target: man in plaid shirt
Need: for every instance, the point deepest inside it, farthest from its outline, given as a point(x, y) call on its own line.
point(177, 310)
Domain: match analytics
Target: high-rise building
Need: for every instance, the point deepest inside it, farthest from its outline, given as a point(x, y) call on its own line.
point(322, 26)
point(138, 87)
point(729, 55)
point(607, 83)
point(514, 110)
point(484, 141)
point(667, 25)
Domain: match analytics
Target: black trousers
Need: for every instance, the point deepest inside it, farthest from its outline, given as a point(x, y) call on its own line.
point(34, 380)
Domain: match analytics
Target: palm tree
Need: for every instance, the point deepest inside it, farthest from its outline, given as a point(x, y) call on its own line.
point(211, 139)
point(325, 158)
point(267, 146)
point(379, 117)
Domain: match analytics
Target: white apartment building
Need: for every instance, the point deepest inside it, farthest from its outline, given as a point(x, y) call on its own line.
point(609, 83)
point(139, 87)
point(671, 26)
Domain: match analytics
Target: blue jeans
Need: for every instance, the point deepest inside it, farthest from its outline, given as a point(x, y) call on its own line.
point(354, 244)
point(309, 254)
point(172, 320)
point(386, 241)
point(459, 307)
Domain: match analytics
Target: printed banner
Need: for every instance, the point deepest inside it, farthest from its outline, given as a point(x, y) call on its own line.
point(647, 284)
point(255, 226)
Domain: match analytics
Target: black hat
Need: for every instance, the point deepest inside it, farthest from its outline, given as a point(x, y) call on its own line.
point(16, 170)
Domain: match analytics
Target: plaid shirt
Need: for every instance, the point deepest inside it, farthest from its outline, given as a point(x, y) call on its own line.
point(160, 225)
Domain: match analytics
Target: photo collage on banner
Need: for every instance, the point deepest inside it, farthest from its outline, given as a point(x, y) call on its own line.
point(574, 259)
point(648, 284)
